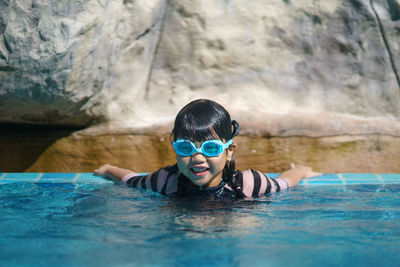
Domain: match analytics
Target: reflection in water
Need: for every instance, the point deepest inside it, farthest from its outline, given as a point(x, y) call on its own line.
point(213, 217)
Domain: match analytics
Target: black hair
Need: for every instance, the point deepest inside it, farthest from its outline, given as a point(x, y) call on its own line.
point(202, 120)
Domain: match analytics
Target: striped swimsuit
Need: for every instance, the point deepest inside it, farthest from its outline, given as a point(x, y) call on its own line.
point(170, 181)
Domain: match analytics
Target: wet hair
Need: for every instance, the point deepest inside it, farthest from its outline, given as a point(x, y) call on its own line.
point(202, 120)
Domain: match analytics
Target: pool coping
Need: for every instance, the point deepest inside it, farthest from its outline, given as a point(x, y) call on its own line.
point(85, 177)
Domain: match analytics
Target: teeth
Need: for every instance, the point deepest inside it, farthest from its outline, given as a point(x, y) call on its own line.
point(199, 169)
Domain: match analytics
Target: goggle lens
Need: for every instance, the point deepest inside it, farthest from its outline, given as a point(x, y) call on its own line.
point(185, 148)
point(210, 148)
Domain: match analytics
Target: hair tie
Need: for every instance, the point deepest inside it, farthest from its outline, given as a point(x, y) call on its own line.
point(236, 128)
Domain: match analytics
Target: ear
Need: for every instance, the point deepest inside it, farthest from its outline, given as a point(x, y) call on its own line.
point(230, 151)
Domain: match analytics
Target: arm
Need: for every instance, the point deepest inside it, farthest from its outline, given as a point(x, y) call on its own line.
point(296, 173)
point(112, 172)
point(161, 181)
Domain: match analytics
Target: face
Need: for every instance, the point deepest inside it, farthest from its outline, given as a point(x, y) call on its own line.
point(202, 170)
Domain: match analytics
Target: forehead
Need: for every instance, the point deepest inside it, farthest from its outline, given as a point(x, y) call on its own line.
point(199, 136)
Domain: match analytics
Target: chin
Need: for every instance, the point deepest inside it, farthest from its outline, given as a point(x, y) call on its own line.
point(200, 182)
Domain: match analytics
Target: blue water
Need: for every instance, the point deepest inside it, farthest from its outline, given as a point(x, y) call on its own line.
point(111, 225)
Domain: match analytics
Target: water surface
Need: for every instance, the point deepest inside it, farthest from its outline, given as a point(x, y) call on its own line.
point(48, 224)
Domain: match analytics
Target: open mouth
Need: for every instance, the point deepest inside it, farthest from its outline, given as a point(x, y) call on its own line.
point(199, 171)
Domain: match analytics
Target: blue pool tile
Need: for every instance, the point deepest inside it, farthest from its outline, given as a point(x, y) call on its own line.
point(328, 177)
point(16, 181)
point(321, 182)
point(325, 179)
point(65, 176)
point(359, 176)
point(390, 177)
point(363, 182)
point(26, 176)
point(95, 182)
point(55, 178)
point(90, 177)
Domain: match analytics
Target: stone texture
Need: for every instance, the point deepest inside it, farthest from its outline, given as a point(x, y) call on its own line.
point(283, 58)
point(74, 62)
point(134, 64)
point(279, 125)
point(60, 151)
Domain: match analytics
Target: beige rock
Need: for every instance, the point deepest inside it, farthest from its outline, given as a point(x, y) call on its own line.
point(74, 62)
point(287, 67)
point(325, 60)
point(68, 151)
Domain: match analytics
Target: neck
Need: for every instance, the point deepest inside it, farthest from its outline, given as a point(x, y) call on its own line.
point(214, 182)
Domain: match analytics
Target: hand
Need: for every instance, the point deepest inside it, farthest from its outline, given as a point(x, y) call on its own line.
point(296, 173)
point(112, 172)
point(102, 170)
point(305, 172)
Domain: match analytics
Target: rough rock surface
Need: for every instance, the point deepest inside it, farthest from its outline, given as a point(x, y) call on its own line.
point(73, 62)
point(63, 152)
point(135, 63)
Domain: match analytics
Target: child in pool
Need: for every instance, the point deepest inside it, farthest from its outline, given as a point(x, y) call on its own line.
point(202, 140)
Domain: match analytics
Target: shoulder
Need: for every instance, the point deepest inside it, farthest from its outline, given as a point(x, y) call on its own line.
point(255, 183)
point(164, 180)
point(250, 174)
point(250, 179)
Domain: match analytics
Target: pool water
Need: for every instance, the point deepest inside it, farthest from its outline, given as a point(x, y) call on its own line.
point(49, 224)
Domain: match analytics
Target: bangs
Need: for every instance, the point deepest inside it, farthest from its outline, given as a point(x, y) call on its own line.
point(196, 130)
point(202, 120)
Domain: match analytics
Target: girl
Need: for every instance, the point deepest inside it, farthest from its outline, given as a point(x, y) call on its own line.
point(203, 142)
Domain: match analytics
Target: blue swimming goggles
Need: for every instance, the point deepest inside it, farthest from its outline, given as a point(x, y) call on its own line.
point(209, 148)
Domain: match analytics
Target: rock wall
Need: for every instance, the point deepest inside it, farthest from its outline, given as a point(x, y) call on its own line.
point(281, 67)
point(74, 62)
point(62, 152)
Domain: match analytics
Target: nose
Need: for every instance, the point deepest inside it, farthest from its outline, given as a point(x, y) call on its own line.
point(198, 157)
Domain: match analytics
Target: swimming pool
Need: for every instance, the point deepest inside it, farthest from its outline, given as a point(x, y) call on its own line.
point(98, 223)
